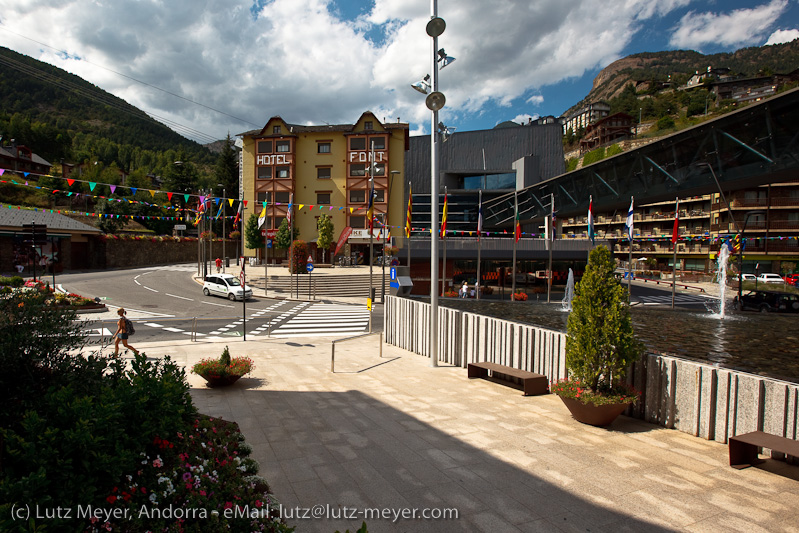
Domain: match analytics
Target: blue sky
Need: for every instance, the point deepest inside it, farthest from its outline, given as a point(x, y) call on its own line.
point(317, 61)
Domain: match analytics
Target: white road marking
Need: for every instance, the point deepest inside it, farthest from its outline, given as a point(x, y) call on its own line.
point(149, 289)
point(219, 305)
point(181, 297)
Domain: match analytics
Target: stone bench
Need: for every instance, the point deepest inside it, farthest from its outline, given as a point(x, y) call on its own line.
point(744, 448)
point(532, 383)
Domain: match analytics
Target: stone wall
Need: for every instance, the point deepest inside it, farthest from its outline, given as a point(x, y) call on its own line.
point(135, 253)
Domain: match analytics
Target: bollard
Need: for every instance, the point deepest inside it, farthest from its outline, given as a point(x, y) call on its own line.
point(333, 358)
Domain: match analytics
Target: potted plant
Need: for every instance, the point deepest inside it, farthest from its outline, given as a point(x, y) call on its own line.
point(224, 370)
point(520, 296)
point(600, 345)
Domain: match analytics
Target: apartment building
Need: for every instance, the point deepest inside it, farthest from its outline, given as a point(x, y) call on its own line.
point(767, 215)
point(327, 170)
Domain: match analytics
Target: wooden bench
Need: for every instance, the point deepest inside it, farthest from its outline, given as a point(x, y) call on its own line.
point(532, 383)
point(744, 448)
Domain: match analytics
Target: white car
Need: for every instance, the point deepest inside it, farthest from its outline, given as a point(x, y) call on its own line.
point(748, 277)
point(770, 278)
point(227, 286)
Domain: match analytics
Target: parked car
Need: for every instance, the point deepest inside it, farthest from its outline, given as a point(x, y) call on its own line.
point(770, 278)
point(748, 277)
point(768, 301)
point(791, 279)
point(226, 285)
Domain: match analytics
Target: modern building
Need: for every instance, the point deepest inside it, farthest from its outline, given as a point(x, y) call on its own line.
point(584, 116)
point(325, 169)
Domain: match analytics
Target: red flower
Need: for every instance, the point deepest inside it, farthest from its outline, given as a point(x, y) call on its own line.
point(111, 499)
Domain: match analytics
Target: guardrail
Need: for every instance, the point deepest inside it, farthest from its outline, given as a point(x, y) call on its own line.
point(669, 283)
point(333, 347)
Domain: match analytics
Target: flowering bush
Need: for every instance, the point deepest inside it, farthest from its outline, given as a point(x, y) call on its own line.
point(519, 296)
point(224, 366)
point(202, 476)
point(450, 294)
point(207, 235)
point(72, 299)
point(578, 390)
point(235, 235)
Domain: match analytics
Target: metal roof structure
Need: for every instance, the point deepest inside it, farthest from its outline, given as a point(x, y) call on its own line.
point(756, 145)
point(13, 219)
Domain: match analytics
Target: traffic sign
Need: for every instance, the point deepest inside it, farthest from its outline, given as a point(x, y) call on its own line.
point(309, 267)
point(269, 243)
point(310, 259)
point(393, 273)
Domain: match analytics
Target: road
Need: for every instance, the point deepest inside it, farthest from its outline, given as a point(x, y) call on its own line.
point(165, 303)
point(645, 294)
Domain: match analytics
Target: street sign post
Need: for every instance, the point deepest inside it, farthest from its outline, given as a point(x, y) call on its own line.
point(309, 268)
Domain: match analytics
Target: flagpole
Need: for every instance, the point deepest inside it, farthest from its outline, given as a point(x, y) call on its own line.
point(408, 225)
point(630, 254)
point(224, 231)
point(444, 246)
point(370, 214)
point(515, 222)
point(550, 244)
point(479, 244)
point(674, 260)
point(291, 246)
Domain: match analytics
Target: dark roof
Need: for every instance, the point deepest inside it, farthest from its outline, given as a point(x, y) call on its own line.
point(15, 218)
point(300, 128)
point(7, 152)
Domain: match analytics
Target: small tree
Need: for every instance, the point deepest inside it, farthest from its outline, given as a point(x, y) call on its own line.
point(600, 344)
point(325, 238)
point(252, 234)
point(283, 238)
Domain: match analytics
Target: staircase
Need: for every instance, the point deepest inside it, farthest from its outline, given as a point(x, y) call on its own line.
point(344, 285)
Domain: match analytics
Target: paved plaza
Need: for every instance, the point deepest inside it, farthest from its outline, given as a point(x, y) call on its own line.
point(393, 433)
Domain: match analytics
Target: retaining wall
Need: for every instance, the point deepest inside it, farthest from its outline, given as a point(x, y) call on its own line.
point(701, 399)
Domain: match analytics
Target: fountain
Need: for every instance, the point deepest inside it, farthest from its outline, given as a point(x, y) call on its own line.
point(566, 303)
point(721, 278)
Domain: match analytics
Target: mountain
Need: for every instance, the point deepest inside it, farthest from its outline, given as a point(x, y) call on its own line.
point(61, 116)
point(680, 65)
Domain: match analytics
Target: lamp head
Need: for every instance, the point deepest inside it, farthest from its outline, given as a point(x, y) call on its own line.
point(435, 101)
point(436, 27)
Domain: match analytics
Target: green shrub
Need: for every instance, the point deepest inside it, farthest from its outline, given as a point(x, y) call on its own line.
point(665, 123)
point(593, 156)
point(571, 164)
point(13, 281)
point(613, 149)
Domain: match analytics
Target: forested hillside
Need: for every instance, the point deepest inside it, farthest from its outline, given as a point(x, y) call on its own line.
point(61, 116)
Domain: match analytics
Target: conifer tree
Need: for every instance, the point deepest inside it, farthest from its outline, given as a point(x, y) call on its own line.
point(601, 344)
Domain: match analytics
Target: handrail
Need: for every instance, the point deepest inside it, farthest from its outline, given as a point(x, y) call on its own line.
point(333, 347)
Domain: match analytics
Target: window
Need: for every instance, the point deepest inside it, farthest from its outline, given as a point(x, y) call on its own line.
point(282, 172)
point(357, 222)
point(262, 197)
point(323, 198)
point(367, 125)
point(357, 197)
point(378, 142)
point(264, 173)
point(323, 173)
point(357, 143)
point(277, 221)
point(264, 147)
point(380, 196)
point(282, 197)
point(323, 148)
point(358, 169)
point(275, 129)
point(283, 147)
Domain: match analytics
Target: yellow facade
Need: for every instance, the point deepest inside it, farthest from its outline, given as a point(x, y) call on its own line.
point(325, 170)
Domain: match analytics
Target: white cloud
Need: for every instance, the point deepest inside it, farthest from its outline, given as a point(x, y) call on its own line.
point(782, 36)
point(524, 118)
point(739, 27)
point(299, 59)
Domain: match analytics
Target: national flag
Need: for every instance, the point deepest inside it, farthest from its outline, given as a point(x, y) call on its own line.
point(518, 230)
point(238, 214)
point(290, 209)
point(408, 218)
point(737, 245)
point(370, 211)
point(591, 229)
point(629, 223)
point(218, 213)
point(675, 234)
point(480, 216)
point(262, 216)
point(444, 218)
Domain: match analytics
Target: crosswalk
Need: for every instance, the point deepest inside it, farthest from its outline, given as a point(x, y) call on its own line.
point(324, 320)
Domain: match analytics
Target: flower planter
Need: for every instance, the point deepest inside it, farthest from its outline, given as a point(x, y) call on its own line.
point(220, 381)
point(594, 415)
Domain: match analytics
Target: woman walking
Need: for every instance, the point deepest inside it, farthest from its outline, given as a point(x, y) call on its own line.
point(122, 333)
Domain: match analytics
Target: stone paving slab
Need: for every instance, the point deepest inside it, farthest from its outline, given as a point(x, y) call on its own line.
point(396, 433)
